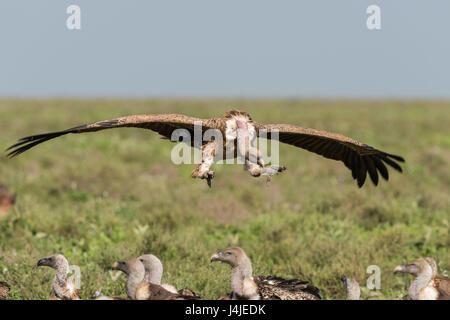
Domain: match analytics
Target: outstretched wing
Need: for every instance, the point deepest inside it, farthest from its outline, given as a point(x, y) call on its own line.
point(358, 157)
point(275, 288)
point(164, 124)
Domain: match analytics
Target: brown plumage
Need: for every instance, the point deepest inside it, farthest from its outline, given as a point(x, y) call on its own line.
point(7, 200)
point(358, 157)
point(4, 290)
point(138, 289)
point(427, 285)
point(151, 291)
point(245, 286)
point(63, 287)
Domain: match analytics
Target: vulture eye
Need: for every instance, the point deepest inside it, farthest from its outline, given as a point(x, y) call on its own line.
point(228, 253)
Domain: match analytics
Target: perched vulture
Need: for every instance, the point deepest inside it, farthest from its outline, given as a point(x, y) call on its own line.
point(426, 285)
point(4, 291)
point(245, 286)
point(351, 288)
point(153, 274)
point(235, 135)
point(7, 201)
point(137, 289)
point(63, 287)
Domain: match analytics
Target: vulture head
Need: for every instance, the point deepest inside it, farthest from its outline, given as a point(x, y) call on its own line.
point(233, 256)
point(414, 267)
point(351, 287)
point(129, 267)
point(55, 262)
point(153, 268)
point(135, 271)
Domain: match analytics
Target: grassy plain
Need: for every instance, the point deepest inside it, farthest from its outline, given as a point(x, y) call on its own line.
point(115, 194)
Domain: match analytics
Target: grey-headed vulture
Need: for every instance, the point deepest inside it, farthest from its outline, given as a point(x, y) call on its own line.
point(246, 286)
point(63, 287)
point(427, 285)
point(137, 289)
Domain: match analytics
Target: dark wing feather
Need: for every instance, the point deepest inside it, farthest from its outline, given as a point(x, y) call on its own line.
point(358, 157)
point(275, 288)
point(164, 124)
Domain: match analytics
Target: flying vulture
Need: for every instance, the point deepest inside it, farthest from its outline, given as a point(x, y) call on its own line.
point(153, 274)
point(351, 288)
point(245, 286)
point(4, 290)
point(235, 135)
point(137, 289)
point(426, 285)
point(7, 200)
point(64, 288)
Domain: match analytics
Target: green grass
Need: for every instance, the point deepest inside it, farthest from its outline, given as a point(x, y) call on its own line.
point(115, 194)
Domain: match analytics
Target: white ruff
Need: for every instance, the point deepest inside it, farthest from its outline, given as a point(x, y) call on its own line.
point(231, 130)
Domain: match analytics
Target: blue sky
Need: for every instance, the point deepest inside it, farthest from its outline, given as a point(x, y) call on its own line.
point(232, 48)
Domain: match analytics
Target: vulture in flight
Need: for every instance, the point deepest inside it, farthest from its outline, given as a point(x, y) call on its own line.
point(245, 286)
point(351, 288)
point(234, 136)
point(64, 288)
point(138, 289)
point(427, 285)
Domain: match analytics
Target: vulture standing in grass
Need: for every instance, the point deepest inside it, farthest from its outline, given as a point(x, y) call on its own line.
point(153, 274)
point(245, 286)
point(235, 135)
point(7, 200)
point(4, 290)
point(351, 288)
point(137, 289)
point(64, 288)
point(426, 285)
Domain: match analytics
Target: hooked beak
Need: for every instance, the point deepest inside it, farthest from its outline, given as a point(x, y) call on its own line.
point(343, 278)
point(399, 268)
point(215, 257)
point(42, 262)
point(115, 265)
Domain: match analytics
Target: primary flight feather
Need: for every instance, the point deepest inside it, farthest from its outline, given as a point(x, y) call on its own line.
point(358, 157)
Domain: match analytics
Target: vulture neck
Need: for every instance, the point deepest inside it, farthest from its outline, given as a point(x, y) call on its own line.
point(241, 271)
point(154, 274)
point(420, 282)
point(133, 280)
point(59, 282)
point(353, 293)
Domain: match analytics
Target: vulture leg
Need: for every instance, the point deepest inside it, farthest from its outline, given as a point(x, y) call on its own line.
point(202, 170)
point(254, 164)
